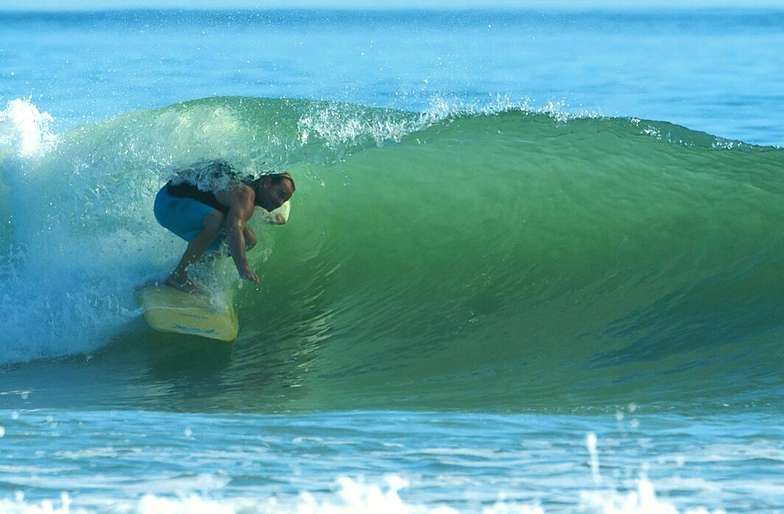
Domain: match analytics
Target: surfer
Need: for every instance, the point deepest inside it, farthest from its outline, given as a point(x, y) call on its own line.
point(207, 204)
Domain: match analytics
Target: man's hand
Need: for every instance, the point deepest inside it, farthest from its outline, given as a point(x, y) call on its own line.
point(247, 274)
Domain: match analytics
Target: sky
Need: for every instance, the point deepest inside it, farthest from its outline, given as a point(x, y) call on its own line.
point(267, 4)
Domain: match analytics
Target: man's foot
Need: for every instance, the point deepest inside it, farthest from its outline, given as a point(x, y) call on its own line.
point(186, 287)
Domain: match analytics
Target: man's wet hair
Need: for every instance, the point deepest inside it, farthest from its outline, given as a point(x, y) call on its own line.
point(277, 178)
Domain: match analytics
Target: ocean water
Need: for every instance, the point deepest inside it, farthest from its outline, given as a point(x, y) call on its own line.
point(533, 262)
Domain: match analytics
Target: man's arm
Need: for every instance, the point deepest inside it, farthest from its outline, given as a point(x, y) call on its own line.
point(239, 198)
point(250, 238)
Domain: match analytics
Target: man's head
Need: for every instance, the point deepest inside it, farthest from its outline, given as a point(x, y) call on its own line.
point(273, 191)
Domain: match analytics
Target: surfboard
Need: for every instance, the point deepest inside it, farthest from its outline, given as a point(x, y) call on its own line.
point(167, 309)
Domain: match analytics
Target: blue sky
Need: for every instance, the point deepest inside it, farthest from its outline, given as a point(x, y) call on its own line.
point(261, 4)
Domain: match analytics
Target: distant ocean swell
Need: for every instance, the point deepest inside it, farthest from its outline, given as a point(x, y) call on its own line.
point(500, 258)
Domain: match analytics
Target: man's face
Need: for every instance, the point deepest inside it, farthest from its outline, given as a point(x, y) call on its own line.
point(273, 196)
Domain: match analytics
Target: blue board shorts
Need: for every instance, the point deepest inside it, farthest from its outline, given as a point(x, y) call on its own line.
point(183, 216)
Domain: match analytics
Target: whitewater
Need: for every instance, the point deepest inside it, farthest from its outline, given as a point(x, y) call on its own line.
point(528, 268)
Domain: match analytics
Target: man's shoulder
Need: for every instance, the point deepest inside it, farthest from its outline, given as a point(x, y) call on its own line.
point(235, 191)
point(212, 175)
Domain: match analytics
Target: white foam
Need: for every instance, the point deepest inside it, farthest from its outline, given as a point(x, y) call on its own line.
point(342, 126)
point(189, 505)
point(18, 506)
point(351, 496)
point(641, 501)
point(590, 441)
point(79, 241)
point(607, 500)
point(24, 130)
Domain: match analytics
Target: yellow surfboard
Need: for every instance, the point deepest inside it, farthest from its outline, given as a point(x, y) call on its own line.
point(167, 309)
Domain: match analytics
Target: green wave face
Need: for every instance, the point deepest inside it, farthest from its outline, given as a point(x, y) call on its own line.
point(512, 259)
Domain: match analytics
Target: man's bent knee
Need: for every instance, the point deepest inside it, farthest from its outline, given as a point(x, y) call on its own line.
point(213, 223)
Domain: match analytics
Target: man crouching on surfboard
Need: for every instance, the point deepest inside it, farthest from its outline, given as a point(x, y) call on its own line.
point(206, 217)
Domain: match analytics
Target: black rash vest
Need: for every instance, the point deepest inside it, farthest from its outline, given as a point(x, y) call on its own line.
point(184, 188)
point(188, 190)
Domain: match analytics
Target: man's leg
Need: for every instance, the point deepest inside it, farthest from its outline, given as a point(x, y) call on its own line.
point(211, 227)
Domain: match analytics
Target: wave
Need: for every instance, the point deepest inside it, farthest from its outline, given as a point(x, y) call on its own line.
point(499, 258)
